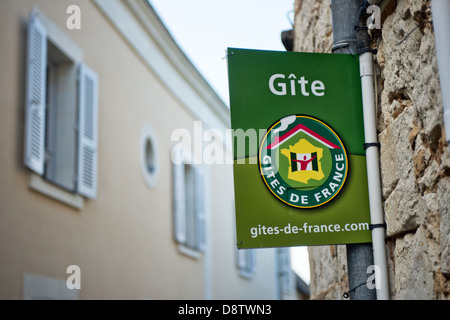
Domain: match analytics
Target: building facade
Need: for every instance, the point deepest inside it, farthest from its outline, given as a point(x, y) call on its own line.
point(414, 156)
point(104, 190)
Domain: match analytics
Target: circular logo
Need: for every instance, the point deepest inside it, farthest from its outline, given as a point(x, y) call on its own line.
point(302, 161)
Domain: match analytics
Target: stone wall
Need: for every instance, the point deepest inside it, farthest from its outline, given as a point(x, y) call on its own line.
point(414, 159)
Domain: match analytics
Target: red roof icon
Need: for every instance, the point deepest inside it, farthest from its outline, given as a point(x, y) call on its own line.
point(301, 128)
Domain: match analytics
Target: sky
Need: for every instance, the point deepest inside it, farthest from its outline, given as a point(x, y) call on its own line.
point(204, 29)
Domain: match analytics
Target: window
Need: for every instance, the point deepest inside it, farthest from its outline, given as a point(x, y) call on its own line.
point(286, 275)
point(45, 288)
point(60, 111)
point(246, 262)
point(149, 156)
point(189, 206)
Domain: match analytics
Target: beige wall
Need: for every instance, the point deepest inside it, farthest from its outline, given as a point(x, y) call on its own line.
point(123, 240)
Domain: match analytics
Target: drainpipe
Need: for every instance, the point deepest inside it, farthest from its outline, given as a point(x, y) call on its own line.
point(348, 39)
point(441, 25)
point(373, 177)
point(343, 15)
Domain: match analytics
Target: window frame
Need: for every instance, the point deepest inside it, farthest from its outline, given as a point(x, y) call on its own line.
point(148, 136)
point(285, 272)
point(191, 240)
point(246, 263)
point(61, 118)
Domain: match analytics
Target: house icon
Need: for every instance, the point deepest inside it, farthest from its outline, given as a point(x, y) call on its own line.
point(296, 130)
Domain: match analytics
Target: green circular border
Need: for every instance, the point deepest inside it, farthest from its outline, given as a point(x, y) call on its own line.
point(343, 148)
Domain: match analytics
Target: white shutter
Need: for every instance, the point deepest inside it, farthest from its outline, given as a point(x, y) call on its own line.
point(200, 198)
point(242, 259)
point(247, 261)
point(179, 196)
point(34, 153)
point(285, 270)
point(87, 132)
point(251, 262)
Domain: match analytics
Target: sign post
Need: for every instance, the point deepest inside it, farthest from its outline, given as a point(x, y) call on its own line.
point(299, 161)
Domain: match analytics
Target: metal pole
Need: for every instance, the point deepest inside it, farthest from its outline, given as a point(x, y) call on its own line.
point(345, 40)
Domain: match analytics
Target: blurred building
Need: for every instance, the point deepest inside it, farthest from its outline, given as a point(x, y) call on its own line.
point(96, 199)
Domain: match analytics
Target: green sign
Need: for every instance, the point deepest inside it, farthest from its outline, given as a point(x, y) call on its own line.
point(299, 163)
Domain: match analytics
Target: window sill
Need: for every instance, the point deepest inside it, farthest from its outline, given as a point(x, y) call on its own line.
point(191, 253)
point(45, 288)
point(37, 183)
point(246, 275)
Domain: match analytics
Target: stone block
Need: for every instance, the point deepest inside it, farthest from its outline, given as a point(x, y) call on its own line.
point(413, 268)
point(404, 208)
point(443, 193)
point(396, 159)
